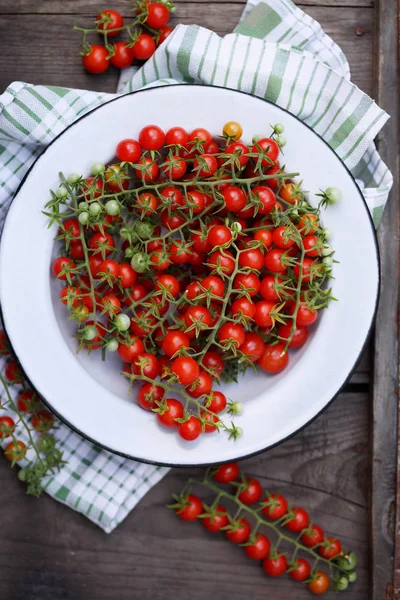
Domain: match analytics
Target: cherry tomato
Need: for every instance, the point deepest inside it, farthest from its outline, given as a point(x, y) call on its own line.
point(217, 521)
point(239, 532)
point(198, 316)
point(176, 136)
point(28, 401)
point(148, 170)
point(289, 193)
point(262, 315)
point(235, 198)
point(273, 261)
point(127, 276)
point(248, 282)
point(307, 269)
point(201, 135)
point(96, 60)
point(129, 151)
point(227, 473)
point(112, 19)
point(305, 316)
point(137, 294)
point(42, 421)
point(265, 199)
point(4, 349)
point(128, 352)
point(192, 509)
point(151, 137)
point(319, 584)
point(274, 182)
point(259, 549)
point(253, 346)
point(200, 242)
point(244, 307)
point(214, 284)
point(7, 426)
point(300, 335)
point(264, 236)
point(61, 264)
point(13, 372)
point(281, 237)
point(222, 260)
point(268, 287)
point(301, 571)
point(252, 493)
point(165, 32)
point(314, 536)
point(240, 151)
point(205, 165)
point(276, 506)
point(308, 223)
point(299, 521)
point(147, 203)
point(168, 283)
point(218, 402)
point(15, 451)
point(252, 259)
point(219, 235)
point(232, 130)
point(311, 243)
point(146, 364)
point(123, 55)
point(100, 242)
point(149, 394)
point(269, 148)
point(214, 363)
point(274, 358)
point(212, 421)
point(111, 305)
point(186, 369)
point(202, 386)
point(173, 411)
point(233, 333)
point(275, 567)
point(175, 167)
point(174, 341)
point(144, 47)
point(190, 430)
point(330, 549)
point(157, 15)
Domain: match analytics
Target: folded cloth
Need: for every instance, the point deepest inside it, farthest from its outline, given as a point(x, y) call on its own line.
point(277, 52)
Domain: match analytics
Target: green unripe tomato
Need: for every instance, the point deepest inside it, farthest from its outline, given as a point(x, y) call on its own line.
point(112, 208)
point(327, 261)
point(83, 218)
point(98, 169)
point(95, 209)
point(352, 577)
point(46, 441)
point(73, 178)
point(62, 192)
point(279, 128)
point(328, 233)
point(326, 250)
point(112, 345)
point(347, 562)
point(89, 333)
point(281, 141)
point(333, 194)
point(140, 262)
point(23, 474)
point(144, 230)
point(342, 584)
point(83, 206)
point(122, 322)
point(129, 252)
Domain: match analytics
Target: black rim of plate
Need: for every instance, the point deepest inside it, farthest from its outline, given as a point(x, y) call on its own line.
point(352, 370)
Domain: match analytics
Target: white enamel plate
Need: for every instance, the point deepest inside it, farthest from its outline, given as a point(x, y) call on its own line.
point(90, 395)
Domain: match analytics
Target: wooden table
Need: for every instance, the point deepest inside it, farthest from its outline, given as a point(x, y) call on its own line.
point(342, 467)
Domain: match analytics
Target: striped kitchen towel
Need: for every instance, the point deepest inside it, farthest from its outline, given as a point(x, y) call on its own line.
point(277, 52)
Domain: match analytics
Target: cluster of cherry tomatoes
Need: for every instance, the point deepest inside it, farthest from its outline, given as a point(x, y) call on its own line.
point(28, 404)
point(146, 31)
point(194, 258)
point(276, 514)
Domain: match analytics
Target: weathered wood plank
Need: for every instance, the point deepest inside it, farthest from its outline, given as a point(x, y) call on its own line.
point(153, 555)
point(46, 50)
point(89, 7)
point(385, 388)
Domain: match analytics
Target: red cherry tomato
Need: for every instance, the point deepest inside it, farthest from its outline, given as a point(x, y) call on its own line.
point(275, 506)
point(259, 549)
point(313, 536)
point(123, 56)
point(252, 493)
point(239, 532)
point(275, 567)
point(157, 15)
point(190, 430)
point(111, 19)
point(217, 521)
point(330, 549)
point(96, 61)
point(144, 47)
point(299, 521)
point(227, 473)
point(301, 570)
point(192, 509)
point(174, 410)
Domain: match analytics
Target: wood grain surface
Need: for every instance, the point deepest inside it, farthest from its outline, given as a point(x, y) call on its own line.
point(48, 552)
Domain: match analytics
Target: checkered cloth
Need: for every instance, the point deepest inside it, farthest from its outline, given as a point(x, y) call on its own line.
point(277, 52)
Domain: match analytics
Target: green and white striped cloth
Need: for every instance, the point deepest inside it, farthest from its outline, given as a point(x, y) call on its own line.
point(277, 52)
